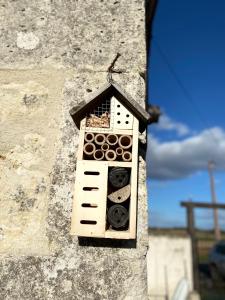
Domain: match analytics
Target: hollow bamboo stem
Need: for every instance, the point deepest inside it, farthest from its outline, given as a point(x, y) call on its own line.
point(100, 139)
point(89, 137)
point(105, 147)
point(112, 139)
point(89, 149)
point(125, 141)
point(98, 155)
point(127, 156)
point(119, 151)
point(110, 155)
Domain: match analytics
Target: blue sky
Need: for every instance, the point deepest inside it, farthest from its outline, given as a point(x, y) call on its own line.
point(187, 80)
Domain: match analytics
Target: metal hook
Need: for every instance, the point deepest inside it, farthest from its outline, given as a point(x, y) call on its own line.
point(112, 70)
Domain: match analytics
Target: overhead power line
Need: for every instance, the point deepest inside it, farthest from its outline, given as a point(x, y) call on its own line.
point(185, 91)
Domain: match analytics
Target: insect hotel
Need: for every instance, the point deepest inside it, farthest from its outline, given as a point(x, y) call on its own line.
point(105, 195)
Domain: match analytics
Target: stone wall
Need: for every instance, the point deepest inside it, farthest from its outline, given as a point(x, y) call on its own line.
point(53, 54)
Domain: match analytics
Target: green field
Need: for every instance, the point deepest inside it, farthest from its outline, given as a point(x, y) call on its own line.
point(205, 235)
point(212, 295)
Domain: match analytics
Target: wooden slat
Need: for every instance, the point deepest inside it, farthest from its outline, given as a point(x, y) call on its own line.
point(203, 205)
point(81, 141)
point(134, 171)
point(113, 234)
point(98, 197)
point(109, 131)
point(124, 164)
point(93, 195)
point(89, 213)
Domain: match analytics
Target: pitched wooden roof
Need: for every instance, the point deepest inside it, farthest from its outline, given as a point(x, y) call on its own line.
point(111, 89)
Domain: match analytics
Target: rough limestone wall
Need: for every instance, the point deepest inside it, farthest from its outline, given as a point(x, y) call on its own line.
point(53, 54)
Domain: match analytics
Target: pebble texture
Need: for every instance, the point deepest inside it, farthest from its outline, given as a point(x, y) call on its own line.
point(53, 55)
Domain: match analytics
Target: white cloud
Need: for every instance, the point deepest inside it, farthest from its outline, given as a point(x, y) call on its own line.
point(178, 159)
point(166, 123)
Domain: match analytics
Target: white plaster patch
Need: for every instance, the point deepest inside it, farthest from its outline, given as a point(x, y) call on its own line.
point(67, 285)
point(28, 41)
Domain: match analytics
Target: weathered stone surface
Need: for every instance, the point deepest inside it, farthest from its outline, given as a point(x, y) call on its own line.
point(53, 54)
point(84, 34)
point(31, 105)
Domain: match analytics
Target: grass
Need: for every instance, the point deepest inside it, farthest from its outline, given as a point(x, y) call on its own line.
point(202, 235)
point(212, 295)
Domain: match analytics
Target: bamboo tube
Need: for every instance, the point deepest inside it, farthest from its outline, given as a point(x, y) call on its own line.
point(119, 151)
point(100, 139)
point(126, 156)
point(89, 137)
point(105, 147)
point(89, 149)
point(112, 139)
point(98, 154)
point(110, 155)
point(125, 141)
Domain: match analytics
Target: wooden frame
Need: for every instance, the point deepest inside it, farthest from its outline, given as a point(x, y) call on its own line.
point(112, 107)
point(78, 113)
point(80, 213)
point(190, 206)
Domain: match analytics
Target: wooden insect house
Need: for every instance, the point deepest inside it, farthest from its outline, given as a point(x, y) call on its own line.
point(105, 196)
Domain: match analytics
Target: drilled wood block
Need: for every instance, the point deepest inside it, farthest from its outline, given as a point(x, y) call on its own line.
point(120, 195)
point(123, 119)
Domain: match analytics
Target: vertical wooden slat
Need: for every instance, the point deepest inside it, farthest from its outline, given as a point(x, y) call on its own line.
point(134, 170)
point(82, 215)
point(191, 230)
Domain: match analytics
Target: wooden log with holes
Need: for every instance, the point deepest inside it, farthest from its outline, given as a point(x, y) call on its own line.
point(119, 177)
point(120, 195)
point(118, 216)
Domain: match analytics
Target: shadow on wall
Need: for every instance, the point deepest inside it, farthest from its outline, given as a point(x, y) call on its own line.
point(150, 8)
point(106, 243)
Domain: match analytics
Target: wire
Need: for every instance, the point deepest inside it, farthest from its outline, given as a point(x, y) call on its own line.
point(186, 93)
point(179, 82)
